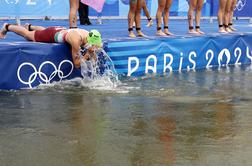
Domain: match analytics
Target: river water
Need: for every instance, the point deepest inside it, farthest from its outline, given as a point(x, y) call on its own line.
point(185, 119)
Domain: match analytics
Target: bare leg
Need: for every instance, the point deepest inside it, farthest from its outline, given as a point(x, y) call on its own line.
point(20, 30)
point(166, 17)
point(146, 11)
point(221, 11)
point(232, 15)
point(74, 5)
point(30, 27)
point(161, 6)
point(131, 17)
point(192, 7)
point(227, 15)
point(198, 16)
point(138, 18)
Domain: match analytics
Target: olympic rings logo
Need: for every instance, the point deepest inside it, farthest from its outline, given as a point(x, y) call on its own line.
point(43, 77)
point(240, 4)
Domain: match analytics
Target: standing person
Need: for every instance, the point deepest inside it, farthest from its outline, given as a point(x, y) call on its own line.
point(77, 38)
point(163, 8)
point(195, 5)
point(83, 14)
point(74, 5)
point(135, 14)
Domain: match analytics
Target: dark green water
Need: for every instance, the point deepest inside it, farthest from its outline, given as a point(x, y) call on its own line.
point(185, 119)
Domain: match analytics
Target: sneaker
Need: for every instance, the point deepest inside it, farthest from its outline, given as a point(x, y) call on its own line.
point(3, 31)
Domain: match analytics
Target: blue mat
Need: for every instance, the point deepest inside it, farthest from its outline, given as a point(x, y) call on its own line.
point(26, 64)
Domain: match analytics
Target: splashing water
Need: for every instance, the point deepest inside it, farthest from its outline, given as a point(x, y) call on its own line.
point(99, 73)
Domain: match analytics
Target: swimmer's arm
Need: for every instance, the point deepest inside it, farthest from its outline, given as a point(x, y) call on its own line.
point(75, 46)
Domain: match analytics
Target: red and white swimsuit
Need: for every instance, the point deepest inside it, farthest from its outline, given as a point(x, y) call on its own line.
point(50, 35)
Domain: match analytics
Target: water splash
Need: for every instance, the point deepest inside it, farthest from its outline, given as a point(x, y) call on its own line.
point(99, 72)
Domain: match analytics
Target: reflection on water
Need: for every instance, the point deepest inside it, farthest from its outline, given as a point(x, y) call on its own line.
point(188, 118)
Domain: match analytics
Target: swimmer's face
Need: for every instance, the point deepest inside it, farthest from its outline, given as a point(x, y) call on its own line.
point(90, 54)
point(92, 48)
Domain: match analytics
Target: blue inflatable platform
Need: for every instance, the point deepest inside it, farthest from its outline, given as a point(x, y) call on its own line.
point(26, 64)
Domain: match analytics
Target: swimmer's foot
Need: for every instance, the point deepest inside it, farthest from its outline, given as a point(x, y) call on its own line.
point(4, 30)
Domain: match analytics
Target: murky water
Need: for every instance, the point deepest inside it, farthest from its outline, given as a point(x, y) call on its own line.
point(189, 119)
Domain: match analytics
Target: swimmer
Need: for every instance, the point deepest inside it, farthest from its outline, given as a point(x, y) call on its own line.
point(79, 39)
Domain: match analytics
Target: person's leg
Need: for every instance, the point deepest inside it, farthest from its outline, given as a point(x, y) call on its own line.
point(166, 17)
point(138, 18)
point(230, 24)
point(221, 11)
point(20, 30)
point(146, 11)
point(227, 15)
point(198, 16)
point(81, 11)
point(87, 13)
point(161, 6)
point(131, 17)
point(192, 7)
point(31, 27)
point(74, 5)
point(83, 14)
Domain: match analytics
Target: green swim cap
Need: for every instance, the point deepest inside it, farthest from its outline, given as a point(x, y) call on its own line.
point(94, 38)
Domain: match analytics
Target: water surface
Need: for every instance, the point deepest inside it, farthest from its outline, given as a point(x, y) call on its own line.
point(186, 119)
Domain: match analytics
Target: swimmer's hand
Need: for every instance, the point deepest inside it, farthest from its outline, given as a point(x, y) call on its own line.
point(89, 56)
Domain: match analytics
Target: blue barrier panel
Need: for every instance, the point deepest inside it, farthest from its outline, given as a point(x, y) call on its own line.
point(26, 65)
point(243, 8)
point(164, 55)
